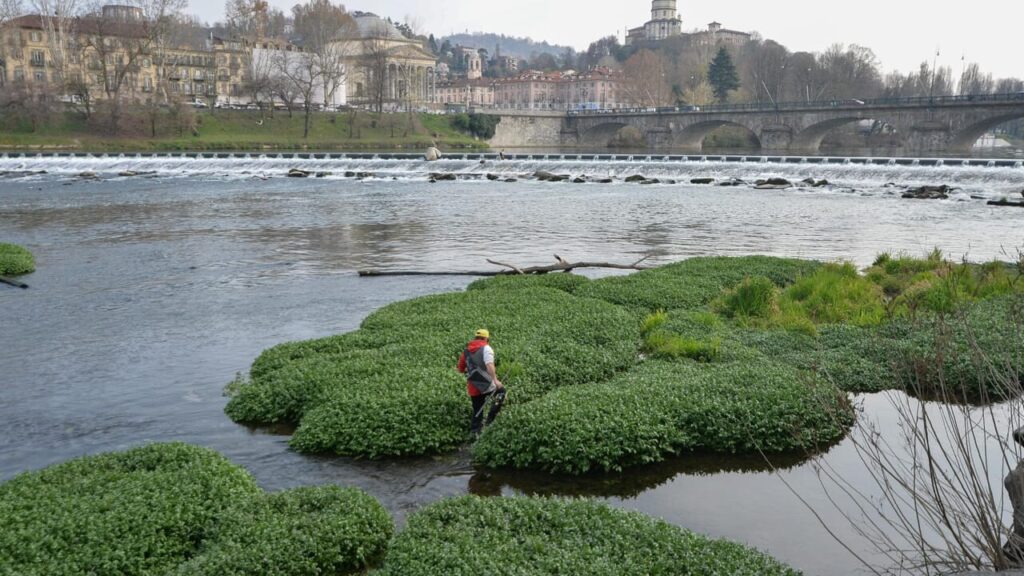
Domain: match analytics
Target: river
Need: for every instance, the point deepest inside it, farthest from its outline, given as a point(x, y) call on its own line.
point(153, 291)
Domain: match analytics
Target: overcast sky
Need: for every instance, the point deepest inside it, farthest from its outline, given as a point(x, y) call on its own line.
point(902, 32)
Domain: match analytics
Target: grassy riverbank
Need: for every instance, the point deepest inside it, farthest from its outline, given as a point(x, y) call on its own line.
point(239, 130)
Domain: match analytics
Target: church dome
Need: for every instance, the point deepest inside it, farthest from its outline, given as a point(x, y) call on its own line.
point(373, 26)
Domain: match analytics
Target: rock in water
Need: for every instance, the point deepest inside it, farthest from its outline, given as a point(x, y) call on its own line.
point(929, 192)
point(296, 173)
point(702, 181)
point(636, 178)
point(432, 154)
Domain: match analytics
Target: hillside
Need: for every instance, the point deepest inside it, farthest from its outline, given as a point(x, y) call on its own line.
point(510, 46)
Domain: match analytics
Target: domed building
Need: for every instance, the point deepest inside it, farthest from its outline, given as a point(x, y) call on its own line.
point(387, 69)
point(665, 23)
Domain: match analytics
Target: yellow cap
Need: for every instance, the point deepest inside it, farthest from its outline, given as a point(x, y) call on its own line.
point(483, 333)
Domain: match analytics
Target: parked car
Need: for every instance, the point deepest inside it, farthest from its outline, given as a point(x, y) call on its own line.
point(198, 103)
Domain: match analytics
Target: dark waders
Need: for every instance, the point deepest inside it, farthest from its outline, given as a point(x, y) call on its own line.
point(479, 403)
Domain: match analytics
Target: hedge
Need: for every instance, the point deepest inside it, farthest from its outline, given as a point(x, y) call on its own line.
point(391, 388)
point(513, 536)
point(692, 283)
point(661, 409)
point(149, 510)
point(15, 260)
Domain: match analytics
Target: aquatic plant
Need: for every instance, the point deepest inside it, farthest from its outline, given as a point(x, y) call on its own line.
point(152, 509)
point(660, 409)
point(754, 297)
point(391, 387)
point(510, 536)
point(692, 283)
point(301, 532)
point(15, 260)
point(559, 281)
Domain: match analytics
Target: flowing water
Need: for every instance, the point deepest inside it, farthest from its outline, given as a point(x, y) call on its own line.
point(153, 291)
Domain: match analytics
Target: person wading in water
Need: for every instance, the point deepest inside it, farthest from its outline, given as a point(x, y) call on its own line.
point(477, 363)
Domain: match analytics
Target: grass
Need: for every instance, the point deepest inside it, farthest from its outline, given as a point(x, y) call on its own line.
point(513, 536)
point(174, 508)
point(15, 260)
point(246, 130)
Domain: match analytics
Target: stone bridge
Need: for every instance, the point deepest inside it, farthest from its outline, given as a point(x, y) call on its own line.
point(921, 126)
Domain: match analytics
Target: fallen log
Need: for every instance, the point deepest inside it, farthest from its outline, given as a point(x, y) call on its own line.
point(13, 282)
point(560, 266)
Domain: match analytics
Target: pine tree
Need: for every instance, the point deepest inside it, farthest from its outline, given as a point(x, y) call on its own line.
point(432, 44)
point(722, 75)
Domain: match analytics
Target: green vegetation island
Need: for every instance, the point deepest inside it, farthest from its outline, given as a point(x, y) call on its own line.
point(188, 511)
point(185, 129)
point(15, 260)
point(709, 355)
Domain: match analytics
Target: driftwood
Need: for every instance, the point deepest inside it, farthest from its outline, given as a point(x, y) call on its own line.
point(561, 265)
point(13, 282)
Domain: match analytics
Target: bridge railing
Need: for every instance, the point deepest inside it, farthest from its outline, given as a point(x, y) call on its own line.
point(849, 103)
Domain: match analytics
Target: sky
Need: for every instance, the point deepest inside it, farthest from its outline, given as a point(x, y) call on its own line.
point(903, 33)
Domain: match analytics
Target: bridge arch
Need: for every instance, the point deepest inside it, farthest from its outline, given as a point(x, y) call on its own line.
point(600, 136)
point(963, 141)
point(691, 138)
point(808, 140)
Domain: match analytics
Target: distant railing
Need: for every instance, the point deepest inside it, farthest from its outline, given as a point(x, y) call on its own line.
point(850, 103)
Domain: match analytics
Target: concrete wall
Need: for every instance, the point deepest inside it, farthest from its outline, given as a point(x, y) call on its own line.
point(528, 131)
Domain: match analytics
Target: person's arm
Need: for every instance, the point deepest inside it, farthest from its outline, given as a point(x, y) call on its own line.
point(494, 375)
point(462, 363)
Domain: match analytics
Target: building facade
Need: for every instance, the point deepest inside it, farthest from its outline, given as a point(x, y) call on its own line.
point(386, 68)
point(465, 93)
point(600, 88)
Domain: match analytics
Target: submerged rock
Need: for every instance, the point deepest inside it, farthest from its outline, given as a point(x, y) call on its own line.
point(929, 192)
point(545, 176)
point(702, 181)
point(772, 184)
point(732, 182)
point(636, 178)
point(88, 176)
point(443, 177)
point(296, 173)
point(323, 174)
point(510, 180)
point(493, 177)
point(1006, 202)
point(815, 183)
point(651, 181)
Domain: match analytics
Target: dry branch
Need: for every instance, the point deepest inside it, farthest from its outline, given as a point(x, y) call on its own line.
point(561, 265)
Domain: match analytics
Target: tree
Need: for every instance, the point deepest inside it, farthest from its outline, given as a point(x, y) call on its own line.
point(645, 83)
point(722, 75)
point(326, 31)
point(376, 56)
point(972, 81)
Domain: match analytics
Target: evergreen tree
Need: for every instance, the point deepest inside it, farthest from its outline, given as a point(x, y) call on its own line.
point(432, 44)
point(722, 75)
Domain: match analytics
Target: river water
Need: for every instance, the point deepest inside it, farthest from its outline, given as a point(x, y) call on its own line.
point(153, 291)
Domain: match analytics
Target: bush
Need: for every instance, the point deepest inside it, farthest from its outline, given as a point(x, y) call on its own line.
point(692, 283)
point(391, 388)
point(559, 281)
point(835, 293)
point(662, 409)
point(151, 509)
point(512, 536)
point(301, 532)
point(15, 260)
point(481, 126)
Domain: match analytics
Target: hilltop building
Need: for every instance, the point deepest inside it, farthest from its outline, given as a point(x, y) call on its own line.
point(665, 23)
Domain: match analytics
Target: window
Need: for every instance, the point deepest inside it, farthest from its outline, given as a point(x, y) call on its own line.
point(38, 58)
point(147, 84)
point(36, 36)
point(19, 74)
point(39, 76)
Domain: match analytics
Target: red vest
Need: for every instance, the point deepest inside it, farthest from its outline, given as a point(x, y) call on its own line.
point(472, 347)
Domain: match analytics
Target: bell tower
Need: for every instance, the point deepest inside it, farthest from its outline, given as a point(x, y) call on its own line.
point(665, 21)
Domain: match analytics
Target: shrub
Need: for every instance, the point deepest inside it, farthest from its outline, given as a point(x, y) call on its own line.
point(301, 532)
point(662, 409)
point(559, 281)
point(511, 536)
point(665, 345)
point(692, 283)
point(151, 509)
point(391, 388)
point(15, 260)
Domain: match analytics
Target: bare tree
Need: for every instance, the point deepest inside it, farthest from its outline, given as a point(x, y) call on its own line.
point(646, 84)
point(972, 81)
point(60, 19)
point(375, 60)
